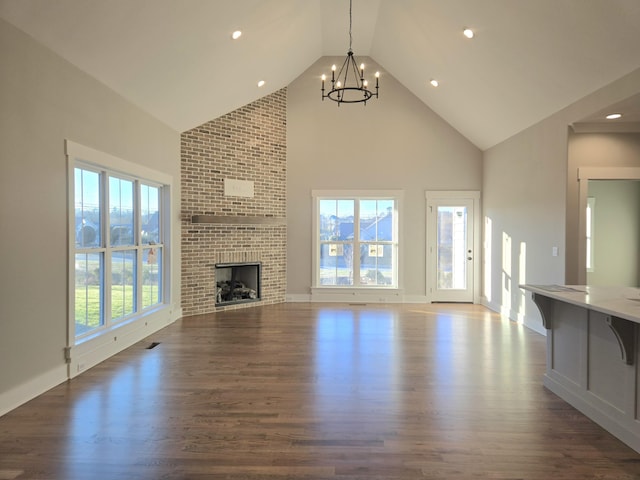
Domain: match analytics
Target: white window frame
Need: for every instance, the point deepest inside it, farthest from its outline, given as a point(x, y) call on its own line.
point(356, 196)
point(79, 156)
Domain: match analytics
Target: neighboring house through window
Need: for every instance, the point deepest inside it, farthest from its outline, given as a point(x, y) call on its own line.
point(356, 239)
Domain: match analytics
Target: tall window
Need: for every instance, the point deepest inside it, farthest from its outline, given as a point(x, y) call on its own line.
point(118, 248)
point(357, 241)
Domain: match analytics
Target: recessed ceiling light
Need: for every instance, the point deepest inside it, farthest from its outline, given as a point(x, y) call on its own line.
point(236, 35)
point(613, 116)
point(434, 82)
point(261, 83)
point(467, 32)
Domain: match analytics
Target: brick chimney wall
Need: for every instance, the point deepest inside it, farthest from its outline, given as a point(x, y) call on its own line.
point(248, 144)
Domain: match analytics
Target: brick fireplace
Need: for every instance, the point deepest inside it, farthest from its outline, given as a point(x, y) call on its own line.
point(238, 283)
point(234, 202)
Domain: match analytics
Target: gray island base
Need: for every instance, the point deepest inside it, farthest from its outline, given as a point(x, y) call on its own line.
point(593, 354)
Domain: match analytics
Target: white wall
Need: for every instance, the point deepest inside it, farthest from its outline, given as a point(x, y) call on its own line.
point(527, 198)
point(394, 142)
point(43, 101)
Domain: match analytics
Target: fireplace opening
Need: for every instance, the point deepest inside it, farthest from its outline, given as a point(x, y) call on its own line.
point(237, 282)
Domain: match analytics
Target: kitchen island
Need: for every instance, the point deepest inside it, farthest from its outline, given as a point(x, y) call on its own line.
point(593, 354)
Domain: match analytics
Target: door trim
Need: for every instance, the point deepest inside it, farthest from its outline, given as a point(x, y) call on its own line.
point(474, 196)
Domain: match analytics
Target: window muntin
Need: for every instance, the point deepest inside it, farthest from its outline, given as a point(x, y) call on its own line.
point(377, 233)
point(336, 241)
point(365, 256)
point(117, 274)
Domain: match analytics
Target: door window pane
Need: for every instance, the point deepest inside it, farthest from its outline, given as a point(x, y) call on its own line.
point(87, 208)
point(452, 247)
point(123, 280)
point(89, 293)
point(121, 212)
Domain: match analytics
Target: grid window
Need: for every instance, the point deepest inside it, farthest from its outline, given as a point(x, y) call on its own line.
point(357, 242)
point(118, 268)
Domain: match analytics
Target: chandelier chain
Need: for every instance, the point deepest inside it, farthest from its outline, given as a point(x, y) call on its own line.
point(350, 23)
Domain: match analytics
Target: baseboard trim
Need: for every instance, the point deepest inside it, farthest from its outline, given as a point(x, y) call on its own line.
point(531, 323)
point(297, 298)
point(351, 297)
point(85, 357)
point(29, 390)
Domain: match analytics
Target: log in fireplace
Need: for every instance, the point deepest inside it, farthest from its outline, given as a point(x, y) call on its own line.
point(237, 282)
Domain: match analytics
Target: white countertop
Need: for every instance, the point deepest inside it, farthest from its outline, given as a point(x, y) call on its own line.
point(622, 302)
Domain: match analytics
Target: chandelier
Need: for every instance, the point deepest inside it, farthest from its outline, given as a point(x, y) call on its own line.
point(349, 85)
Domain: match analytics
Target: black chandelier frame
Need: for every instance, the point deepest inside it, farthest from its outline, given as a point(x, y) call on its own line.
point(349, 85)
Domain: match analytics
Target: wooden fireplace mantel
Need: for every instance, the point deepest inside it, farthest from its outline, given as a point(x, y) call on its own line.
point(238, 220)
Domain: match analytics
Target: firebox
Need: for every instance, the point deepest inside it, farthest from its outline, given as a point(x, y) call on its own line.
point(237, 282)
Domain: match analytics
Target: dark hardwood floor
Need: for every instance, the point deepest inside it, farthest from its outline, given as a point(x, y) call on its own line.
point(309, 391)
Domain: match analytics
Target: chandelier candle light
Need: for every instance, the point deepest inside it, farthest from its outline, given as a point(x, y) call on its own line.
point(349, 85)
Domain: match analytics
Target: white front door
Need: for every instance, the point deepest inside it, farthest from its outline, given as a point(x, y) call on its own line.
point(451, 245)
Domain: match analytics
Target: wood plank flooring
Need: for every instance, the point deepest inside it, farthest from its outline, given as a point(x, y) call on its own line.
point(316, 391)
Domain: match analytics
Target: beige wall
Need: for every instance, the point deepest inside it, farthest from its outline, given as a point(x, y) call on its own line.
point(394, 142)
point(528, 197)
point(43, 101)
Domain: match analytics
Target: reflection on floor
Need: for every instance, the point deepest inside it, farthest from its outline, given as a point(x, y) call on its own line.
point(316, 391)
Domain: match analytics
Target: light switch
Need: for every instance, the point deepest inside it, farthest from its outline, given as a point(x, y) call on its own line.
point(554, 251)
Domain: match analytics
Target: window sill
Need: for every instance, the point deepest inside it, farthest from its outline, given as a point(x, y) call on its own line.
point(122, 325)
point(93, 349)
point(361, 289)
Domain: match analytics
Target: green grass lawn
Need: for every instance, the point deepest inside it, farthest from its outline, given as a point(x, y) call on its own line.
point(87, 304)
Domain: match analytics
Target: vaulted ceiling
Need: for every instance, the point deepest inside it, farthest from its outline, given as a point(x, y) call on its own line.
point(176, 59)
